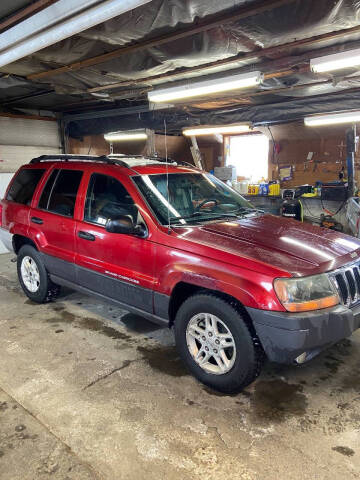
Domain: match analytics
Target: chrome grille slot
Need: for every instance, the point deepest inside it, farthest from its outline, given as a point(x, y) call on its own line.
point(351, 284)
point(357, 278)
point(342, 287)
point(347, 283)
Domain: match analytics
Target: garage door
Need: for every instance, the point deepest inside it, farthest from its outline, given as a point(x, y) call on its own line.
point(22, 139)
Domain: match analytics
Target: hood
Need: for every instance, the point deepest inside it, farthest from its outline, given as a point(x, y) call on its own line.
point(288, 245)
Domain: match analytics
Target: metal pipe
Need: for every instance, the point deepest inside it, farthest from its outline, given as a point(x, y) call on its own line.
point(350, 154)
point(43, 20)
point(91, 17)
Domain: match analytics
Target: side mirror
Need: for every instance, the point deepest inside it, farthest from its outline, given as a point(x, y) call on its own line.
point(124, 224)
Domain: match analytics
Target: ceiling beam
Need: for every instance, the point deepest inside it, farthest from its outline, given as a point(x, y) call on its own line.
point(265, 52)
point(25, 13)
point(201, 26)
point(40, 93)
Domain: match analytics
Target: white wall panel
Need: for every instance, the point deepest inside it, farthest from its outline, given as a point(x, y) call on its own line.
point(23, 131)
point(13, 156)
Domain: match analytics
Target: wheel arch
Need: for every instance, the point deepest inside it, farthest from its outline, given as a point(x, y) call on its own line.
point(19, 241)
point(184, 290)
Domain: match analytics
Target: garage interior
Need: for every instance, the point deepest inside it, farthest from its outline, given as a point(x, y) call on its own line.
point(90, 391)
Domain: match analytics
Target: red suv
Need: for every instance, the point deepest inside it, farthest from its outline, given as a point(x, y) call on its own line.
point(178, 246)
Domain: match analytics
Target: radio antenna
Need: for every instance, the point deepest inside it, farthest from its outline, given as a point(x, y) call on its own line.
point(167, 179)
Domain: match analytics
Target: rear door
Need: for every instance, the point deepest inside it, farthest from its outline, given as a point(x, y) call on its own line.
point(16, 205)
point(116, 265)
point(52, 221)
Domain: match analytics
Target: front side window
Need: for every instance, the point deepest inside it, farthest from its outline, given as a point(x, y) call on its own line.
point(183, 198)
point(59, 194)
point(24, 185)
point(107, 199)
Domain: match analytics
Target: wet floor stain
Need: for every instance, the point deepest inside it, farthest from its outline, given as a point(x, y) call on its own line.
point(215, 393)
point(276, 400)
point(138, 324)
point(86, 323)
point(348, 452)
point(9, 284)
point(351, 381)
point(29, 302)
point(95, 325)
point(164, 360)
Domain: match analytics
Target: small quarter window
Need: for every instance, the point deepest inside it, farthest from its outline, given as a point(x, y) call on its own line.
point(59, 195)
point(107, 199)
point(24, 185)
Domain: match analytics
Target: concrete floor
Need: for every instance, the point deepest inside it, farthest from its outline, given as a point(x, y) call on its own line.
point(88, 391)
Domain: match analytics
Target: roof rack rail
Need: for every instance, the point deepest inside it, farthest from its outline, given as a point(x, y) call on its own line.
point(145, 157)
point(61, 157)
point(111, 159)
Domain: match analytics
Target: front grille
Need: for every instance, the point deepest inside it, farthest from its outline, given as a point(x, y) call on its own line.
point(347, 283)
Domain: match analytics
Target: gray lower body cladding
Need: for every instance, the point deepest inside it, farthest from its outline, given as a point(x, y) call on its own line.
point(284, 336)
point(134, 298)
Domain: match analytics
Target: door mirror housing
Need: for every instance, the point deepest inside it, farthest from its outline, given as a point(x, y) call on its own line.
point(125, 225)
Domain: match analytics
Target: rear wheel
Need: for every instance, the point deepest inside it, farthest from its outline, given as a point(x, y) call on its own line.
point(33, 277)
point(216, 344)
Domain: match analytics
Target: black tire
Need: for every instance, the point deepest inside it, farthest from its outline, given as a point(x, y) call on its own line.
point(47, 290)
point(249, 353)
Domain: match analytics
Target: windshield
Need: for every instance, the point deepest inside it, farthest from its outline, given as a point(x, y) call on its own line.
point(188, 198)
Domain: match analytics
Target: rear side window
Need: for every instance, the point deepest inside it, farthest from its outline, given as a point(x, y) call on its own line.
point(44, 199)
point(59, 194)
point(24, 185)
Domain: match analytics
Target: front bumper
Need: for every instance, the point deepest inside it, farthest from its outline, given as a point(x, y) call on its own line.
point(285, 336)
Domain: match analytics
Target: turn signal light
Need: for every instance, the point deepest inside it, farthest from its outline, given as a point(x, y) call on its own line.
point(312, 304)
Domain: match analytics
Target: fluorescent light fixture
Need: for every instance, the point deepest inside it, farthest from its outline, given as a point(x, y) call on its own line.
point(224, 130)
point(127, 135)
point(206, 87)
point(337, 61)
point(332, 119)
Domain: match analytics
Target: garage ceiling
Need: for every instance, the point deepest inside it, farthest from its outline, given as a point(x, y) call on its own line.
point(99, 78)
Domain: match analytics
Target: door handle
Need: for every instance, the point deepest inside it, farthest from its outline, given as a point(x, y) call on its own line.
point(37, 220)
point(87, 236)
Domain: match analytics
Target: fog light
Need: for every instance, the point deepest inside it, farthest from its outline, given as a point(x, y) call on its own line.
point(301, 358)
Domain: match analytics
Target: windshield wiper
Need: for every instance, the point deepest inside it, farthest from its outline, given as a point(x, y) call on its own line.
point(198, 216)
point(244, 210)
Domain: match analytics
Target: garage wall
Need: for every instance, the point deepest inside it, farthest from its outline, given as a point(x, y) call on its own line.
point(22, 139)
point(178, 148)
point(296, 141)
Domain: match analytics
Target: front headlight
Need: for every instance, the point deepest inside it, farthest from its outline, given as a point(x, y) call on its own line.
point(305, 294)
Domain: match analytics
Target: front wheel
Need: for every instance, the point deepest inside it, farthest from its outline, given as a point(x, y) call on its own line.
point(216, 344)
point(33, 277)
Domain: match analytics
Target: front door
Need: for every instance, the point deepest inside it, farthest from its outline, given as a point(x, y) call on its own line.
point(116, 265)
